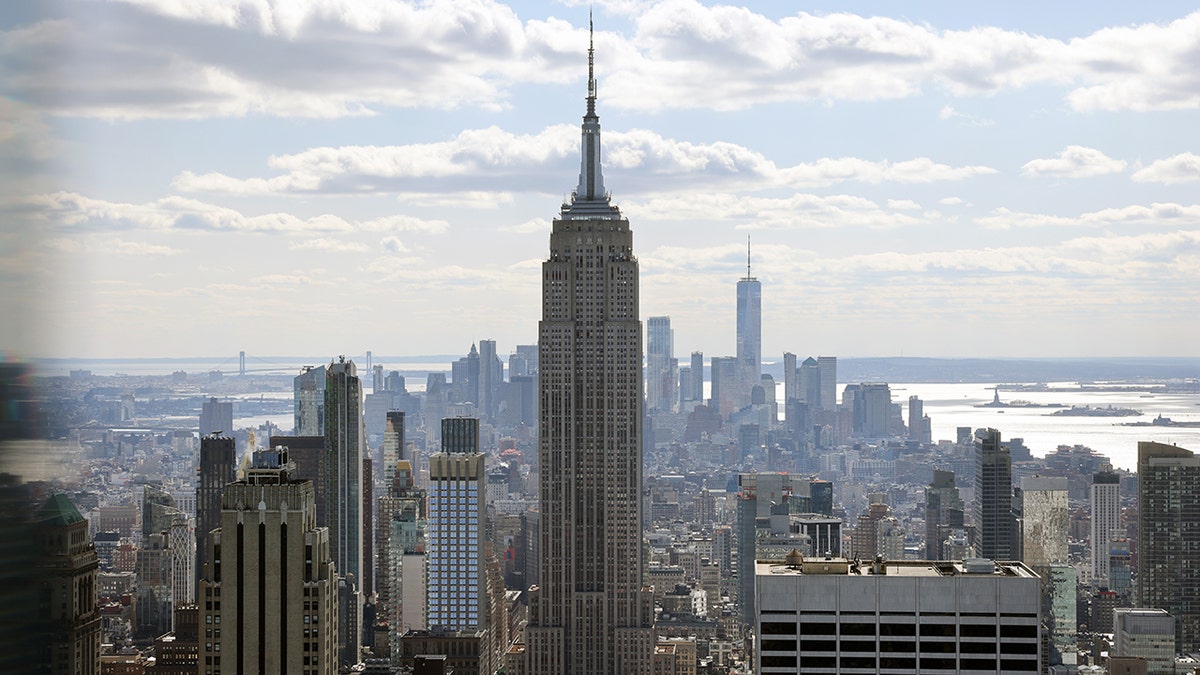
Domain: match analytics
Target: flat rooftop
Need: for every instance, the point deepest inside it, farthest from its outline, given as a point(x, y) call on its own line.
point(895, 568)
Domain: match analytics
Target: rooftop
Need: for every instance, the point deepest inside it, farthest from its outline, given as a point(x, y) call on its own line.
point(972, 567)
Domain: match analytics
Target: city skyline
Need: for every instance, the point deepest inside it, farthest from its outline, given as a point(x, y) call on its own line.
point(957, 179)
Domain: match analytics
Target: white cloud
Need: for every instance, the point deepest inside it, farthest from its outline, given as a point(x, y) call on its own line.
point(329, 58)
point(393, 245)
point(479, 159)
point(951, 201)
point(800, 211)
point(75, 212)
point(532, 226)
point(328, 244)
point(1075, 161)
point(949, 112)
point(1181, 168)
point(1153, 215)
point(903, 205)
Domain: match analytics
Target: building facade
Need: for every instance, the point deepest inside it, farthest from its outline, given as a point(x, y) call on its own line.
point(590, 613)
point(993, 498)
point(1168, 537)
point(1105, 497)
point(218, 463)
point(833, 615)
point(268, 598)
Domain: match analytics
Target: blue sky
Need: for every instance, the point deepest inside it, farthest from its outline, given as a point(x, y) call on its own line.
point(333, 176)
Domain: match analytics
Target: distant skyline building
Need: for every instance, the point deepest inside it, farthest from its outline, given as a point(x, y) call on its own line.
point(749, 333)
point(1105, 498)
point(270, 592)
point(308, 402)
point(660, 365)
point(994, 519)
point(216, 417)
point(1168, 548)
point(943, 513)
point(590, 615)
point(828, 367)
point(697, 384)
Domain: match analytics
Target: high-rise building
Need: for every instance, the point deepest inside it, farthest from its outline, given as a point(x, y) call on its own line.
point(491, 379)
point(993, 497)
point(660, 364)
point(182, 548)
point(218, 464)
point(67, 594)
point(456, 597)
point(393, 444)
point(749, 332)
point(308, 402)
point(400, 578)
point(872, 410)
point(216, 417)
point(697, 383)
point(833, 615)
point(724, 379)
point(590, 614)
point(943, 513)
point(1045, 516)
point(1106, 522)
point(791, 379)
point(920, 428)
point(343, 488)
point(1146, 634)
point(1168, 537)
point(828, 368)
point(269, 589)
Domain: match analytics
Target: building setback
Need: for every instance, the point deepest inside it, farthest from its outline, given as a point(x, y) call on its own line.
point(590, 614)
point(268, 597)
point(832, 615)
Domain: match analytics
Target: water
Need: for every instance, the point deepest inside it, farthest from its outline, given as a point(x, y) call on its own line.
point(953, 405)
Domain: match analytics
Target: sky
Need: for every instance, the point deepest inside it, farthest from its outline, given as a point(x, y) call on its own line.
point(307, 177)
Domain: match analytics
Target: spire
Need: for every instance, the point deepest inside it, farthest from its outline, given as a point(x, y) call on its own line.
point(590, 199)
point(591, 98)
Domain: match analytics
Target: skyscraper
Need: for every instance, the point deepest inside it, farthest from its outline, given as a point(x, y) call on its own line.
point(660, 364)
point(697, 386)
point(943, 513)
point(993, 497)
point(66, 617)
point(791, 379)
point(749, 332)
point(1106, 520)
point(456, 591)
point(269, 590)
point(590, 613)
point(216, 417)
point(218, 462)
point(1045, 515)
point(343, 487)
point(308, 402)
point(1169, 538)
point(828, 367)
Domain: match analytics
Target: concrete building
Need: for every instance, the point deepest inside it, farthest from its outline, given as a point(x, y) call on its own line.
point(828, 368)
point(66, 619)
point(456, 592)
point(1045, 515)
point(590, 614)
point(1148, 634)
point(1105, 498)
point(1168, 539)
point(836, 616)
point(268, 590)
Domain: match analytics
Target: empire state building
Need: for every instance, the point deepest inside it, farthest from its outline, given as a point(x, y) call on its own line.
point(590, 615)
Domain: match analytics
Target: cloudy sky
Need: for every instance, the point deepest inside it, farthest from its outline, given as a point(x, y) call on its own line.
point(194, 178)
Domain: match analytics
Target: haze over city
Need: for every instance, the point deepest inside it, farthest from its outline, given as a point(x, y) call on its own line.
point(199, 179)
